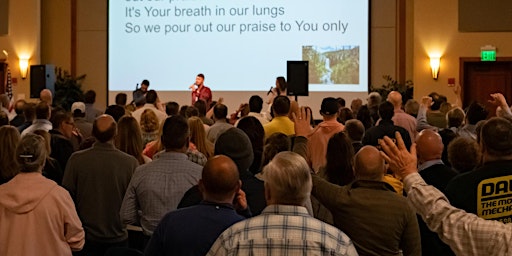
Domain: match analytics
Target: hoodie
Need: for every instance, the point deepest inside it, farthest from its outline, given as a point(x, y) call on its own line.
point(38, 217)
point(317, 142)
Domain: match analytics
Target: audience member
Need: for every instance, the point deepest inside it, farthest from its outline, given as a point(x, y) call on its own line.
point(201, 108)
point(338, 168)
point(149, 126)
point(434, 115)
point(341, 102)
point(355, 132)
point(97, 179)
point(19, 119)
point(320, 135)
point(4, 119)
point(151, 101)
point(172, 108)
point(29, 111)
point(235, 144)
point(386, 127)
point(364, 116)
point(121, 99)
point(52, 169)
point(281, 122)
point(251, 126)
point(255, 108)
point(429, 148)
point(9, 138)
point(373, 101)
point(78, 111)
point(42, 121)
point(455, 119)
point(115, 112)
point(465, 233)
point(37, 216)
point(220, 111)
point(91, 113)
point(411, 107)
point(368, 210)
point(46, 96)
point(464, 154)
point(284, 227)
point(157, 187)
point(198, 136)
point(277, 142)
point(476, 112)
point(476, 191)
point(129, 139)
point(355, 105)
point(344, 114)
point(400, 118)
point(176, 234)
point(62, 132)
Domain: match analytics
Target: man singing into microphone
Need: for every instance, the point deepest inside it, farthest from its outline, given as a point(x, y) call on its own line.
point(200, 91)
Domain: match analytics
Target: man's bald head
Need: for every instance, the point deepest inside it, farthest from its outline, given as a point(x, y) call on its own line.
point(46, 96)
point(429, 146)
point(220, 179)
point(395, 98)
point(104, 128)
point(369, 164)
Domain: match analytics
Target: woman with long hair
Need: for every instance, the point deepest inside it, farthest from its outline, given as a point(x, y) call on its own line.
point(9, 138)
point(198, 136)
point(254, 130)
point(129, 138)
point(149, 125)
point(52, 169)
point(340, 160)
point(38, 216)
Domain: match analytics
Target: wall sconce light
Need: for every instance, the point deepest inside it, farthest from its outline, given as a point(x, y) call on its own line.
point(23, 68)
point(434, 65)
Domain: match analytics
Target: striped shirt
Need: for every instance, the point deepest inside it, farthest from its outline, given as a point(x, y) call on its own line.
point(465, 233)
point(283, 230)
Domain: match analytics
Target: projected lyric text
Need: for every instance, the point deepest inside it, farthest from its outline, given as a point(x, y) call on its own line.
point(177, 17)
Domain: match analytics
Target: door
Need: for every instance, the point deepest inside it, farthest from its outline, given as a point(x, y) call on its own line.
point(480, 79)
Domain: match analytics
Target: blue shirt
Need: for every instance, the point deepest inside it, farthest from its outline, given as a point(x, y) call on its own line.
point(191, 230)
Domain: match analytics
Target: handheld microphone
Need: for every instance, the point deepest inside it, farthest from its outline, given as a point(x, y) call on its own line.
point(270, 91)
point(137, 86)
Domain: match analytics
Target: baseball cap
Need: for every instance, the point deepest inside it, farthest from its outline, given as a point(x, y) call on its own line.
point(78, 106)
point(329, 106)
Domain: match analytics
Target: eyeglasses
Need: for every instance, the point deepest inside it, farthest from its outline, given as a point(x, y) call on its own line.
point(70, 123)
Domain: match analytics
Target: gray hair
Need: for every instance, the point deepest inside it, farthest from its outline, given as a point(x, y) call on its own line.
point(288, 177)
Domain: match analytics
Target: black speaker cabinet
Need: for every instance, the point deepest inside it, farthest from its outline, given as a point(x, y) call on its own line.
point(298, 78)
point(41, 77)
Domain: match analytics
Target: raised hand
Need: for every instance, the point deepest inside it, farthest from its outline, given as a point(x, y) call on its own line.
point(401, 161)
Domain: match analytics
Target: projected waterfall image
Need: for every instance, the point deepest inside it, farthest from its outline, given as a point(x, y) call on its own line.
point(332, 64)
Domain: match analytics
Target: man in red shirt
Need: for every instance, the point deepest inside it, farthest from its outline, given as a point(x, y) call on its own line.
point(200, 91)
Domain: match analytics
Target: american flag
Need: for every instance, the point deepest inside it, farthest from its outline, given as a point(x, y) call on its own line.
point(8, 84)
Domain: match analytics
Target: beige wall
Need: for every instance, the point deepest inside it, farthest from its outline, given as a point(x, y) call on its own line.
point(56, 33)
point(23, 40)
point(92, 43)
point(436, 31)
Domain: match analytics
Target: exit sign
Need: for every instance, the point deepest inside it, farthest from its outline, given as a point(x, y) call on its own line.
point(488, 55)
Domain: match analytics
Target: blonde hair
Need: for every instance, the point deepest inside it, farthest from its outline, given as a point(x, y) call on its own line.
point(129, 137)
point(198, 136)
point(9, 139)
point(31, 153)
point(149, 121)
point(289, 179)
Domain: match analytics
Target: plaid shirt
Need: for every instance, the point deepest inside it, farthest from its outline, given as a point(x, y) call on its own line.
point(465, 233)
point(156, 188)
point(282, 230)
